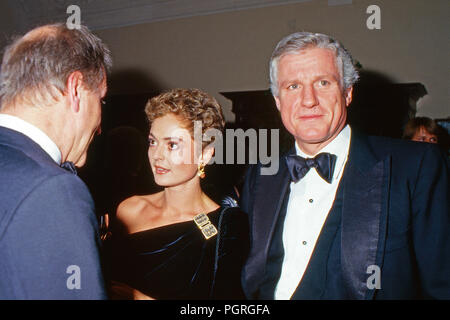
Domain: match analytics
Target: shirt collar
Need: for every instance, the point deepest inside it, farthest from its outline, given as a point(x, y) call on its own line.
point(339, 146)
point(32, 132)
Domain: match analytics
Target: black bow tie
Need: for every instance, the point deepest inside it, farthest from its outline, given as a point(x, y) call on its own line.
point(323, 162)
point(69, 166)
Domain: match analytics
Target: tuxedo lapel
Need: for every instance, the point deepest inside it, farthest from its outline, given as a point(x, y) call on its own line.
point(364, 216)
point(269, 194)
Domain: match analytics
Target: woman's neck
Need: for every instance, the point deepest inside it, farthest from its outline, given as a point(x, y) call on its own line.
point(187, 199)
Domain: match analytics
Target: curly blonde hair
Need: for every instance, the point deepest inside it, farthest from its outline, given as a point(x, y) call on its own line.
point(188, 105)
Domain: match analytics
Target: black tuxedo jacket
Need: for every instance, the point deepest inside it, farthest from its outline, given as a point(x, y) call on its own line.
point(393, 213)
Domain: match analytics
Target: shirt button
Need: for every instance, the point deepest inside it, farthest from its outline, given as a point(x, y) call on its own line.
point(311, 200)
point(304, 243)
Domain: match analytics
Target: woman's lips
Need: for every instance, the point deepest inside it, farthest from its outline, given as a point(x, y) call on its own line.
point(161, 170)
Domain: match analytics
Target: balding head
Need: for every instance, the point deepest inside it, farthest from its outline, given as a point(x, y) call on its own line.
point(40, 32)
point(36, 66)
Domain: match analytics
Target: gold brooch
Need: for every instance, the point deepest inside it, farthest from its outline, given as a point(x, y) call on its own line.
point(204, 224)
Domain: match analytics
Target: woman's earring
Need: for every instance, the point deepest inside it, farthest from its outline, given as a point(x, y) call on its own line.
point(201, 170)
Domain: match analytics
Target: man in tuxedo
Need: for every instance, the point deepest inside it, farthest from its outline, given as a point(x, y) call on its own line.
point(347, 216)
point(52, 82)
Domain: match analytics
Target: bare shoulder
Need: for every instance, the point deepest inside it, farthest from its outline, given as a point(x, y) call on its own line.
point(129, 206)
point(133, 211)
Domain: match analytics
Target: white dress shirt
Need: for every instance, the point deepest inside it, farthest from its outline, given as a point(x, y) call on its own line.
point(310, 200)
point(32, 132)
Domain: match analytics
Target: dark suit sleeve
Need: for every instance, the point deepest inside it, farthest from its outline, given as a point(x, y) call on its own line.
point(56, 243)
point(431, 225)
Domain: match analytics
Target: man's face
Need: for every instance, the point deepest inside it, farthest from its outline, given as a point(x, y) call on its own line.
point(311, 99)
point(91, 113)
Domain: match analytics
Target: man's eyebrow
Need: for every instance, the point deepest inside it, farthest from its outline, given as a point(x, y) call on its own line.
point(327, 75)
point(316, 77)
point(288, 81)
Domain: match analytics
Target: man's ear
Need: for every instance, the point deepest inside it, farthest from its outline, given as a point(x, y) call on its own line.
point(348, 95)
point(277, 102)
point(74, 88)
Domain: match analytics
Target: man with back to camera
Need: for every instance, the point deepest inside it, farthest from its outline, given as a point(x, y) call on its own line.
point(346, 216)
point(52, 82)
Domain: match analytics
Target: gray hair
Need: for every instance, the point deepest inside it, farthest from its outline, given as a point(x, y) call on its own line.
point(305, 40)
point(40, 61)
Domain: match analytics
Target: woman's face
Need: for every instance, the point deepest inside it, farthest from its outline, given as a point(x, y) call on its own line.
point(423, 135)
point(171, 152)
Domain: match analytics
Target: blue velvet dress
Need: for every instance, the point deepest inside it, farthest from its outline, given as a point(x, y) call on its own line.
point(177, 262)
